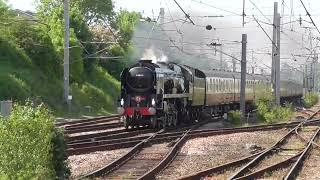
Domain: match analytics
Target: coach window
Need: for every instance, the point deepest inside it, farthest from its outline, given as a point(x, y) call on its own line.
point(226, 85)
point(213, 85)
point(222, 85)
point(238, 85)
point(217, 85)
point(232, 85)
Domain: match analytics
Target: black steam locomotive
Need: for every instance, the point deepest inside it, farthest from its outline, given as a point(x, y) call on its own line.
point(165, 94)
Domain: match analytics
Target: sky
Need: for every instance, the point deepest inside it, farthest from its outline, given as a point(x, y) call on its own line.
point(228, 27)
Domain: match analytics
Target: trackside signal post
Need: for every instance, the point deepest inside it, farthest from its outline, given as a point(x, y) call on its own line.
point(243, 76)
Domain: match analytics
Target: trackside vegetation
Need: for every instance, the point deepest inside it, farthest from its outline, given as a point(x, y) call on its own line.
point(234, 117)
point(267, 111)
point(30, 145)
point(31, 55)
point(310, 99)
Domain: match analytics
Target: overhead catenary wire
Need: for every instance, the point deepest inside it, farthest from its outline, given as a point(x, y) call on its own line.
point(187, 15)
point(265, 32)
point(259, 11)
point(309, 16)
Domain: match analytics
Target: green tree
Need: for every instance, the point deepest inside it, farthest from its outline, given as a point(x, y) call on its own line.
point(96, 11)
point(125, 23)
point(55, 29)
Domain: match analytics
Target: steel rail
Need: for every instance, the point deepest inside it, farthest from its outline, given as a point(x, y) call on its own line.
point(115, 134)
point(272, 167)
point(89, 137)
point(137, 148)
point(123, 133)
point(295, 169)
point(282, 164)
point(100, 121)
point(200, 174)
point(262, 155)
point(92, 128)
point(245, 168)
point(116, 163)
point(169, 157)
point(171, 154)
point(84, 120)
point(111, 144)
point(305, 140)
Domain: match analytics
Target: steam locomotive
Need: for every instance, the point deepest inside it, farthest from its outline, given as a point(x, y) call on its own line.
point(166, 94)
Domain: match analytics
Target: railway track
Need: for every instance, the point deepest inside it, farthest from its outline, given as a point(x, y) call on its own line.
point(87, 121)
point(152, 151)
point(260, 164)
point(279, 156)
point(90, 125)
point(310, 163)
point(148, 157)
point(110, 142)
point(138, 162)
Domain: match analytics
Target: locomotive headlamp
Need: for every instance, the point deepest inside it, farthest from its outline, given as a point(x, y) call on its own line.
point(153, 102)
point(121, 102)
point(152, 111)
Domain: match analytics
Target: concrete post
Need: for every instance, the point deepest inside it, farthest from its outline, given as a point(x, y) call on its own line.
point(243, 76)
point(277, 63)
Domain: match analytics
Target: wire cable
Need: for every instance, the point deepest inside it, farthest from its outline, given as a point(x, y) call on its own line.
point(309, 16)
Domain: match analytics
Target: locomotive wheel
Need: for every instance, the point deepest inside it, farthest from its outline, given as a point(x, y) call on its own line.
point(126, 125)
point(175, 120)
point(192, 115)
point(159, 124)
point(186, 117)
point(125, 122)
point(153, 122)
point(166, 120)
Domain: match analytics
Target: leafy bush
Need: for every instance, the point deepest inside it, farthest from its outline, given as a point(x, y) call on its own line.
point(276, 113)
point(59, 154)
point(235, 116)
point(268, 111)
point(310, 99)
point(30, 146)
